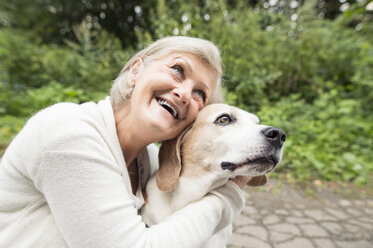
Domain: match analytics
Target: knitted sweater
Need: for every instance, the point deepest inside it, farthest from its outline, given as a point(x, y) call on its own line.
point(64, 183)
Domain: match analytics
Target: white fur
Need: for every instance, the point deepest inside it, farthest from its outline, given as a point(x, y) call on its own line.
point(204, 148)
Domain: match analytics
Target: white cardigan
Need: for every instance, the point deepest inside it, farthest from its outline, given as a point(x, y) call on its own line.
point(64, 183)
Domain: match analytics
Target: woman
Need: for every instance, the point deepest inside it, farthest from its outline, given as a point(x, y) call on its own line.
point(73, 176)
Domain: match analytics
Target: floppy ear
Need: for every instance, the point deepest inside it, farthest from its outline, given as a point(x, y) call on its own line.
point(258, 181)
point(169, 157)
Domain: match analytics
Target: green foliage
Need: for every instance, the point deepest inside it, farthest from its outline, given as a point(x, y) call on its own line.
point(53, 20)
point(359, 18)
point(9, 127)
point(55, 92)
point(35, 75)
point(330, 139)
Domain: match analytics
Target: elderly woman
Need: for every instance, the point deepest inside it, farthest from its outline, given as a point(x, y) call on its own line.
point(73, 176)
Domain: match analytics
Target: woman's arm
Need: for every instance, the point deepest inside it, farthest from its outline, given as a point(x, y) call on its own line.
point(92, 207)
point(88, 196)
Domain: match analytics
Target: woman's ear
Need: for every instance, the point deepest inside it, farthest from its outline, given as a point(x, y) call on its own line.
point(135, 68)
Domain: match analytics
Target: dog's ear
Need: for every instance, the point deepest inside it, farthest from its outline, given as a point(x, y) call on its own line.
point(258, 181)
point(169, 157)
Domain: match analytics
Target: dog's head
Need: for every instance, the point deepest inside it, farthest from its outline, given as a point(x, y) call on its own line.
point(223, 140)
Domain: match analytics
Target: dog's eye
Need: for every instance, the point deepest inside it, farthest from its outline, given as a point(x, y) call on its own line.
point(224, 119)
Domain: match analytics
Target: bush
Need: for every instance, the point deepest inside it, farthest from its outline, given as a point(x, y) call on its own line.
point(34, 75)
point(9, 127)
point(327, 140)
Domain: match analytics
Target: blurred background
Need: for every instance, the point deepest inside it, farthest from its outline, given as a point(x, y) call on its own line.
point(303, 66)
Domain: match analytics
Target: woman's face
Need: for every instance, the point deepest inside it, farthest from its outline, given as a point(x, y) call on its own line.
point(169, 92)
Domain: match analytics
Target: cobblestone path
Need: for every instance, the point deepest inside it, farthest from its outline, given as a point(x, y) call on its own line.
point(286, 218)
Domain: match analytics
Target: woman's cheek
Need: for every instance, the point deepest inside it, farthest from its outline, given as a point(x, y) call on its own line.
point(195, 112)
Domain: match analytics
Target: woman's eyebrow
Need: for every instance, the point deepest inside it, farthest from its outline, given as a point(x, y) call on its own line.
point(191, 71)
point(187, 63)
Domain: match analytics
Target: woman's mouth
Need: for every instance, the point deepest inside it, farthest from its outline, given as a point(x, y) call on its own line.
point(168, 107)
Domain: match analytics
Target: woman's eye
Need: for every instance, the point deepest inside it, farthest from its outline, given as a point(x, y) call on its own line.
point(201, 95)
point(178, 69)
point(224, 119)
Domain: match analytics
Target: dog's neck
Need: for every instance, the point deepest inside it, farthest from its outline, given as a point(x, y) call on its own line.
point(191, 189)
point(160, 204)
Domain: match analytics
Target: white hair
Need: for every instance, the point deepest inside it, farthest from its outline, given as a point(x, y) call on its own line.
point(121, 91)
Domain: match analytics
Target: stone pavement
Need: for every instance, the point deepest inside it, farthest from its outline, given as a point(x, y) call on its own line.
point(278, 216)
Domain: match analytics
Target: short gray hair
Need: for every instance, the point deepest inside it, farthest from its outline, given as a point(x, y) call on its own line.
point(121, 91)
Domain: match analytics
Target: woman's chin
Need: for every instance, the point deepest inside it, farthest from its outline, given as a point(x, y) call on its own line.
point(162, 128)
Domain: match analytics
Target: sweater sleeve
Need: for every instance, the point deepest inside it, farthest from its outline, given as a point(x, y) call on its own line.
point(92, 206)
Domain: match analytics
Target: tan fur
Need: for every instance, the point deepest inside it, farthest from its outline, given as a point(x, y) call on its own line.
point(199, 160)
point(258, 181)
point(167, 177)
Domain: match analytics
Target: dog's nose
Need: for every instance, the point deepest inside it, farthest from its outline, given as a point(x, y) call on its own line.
point(274, 135)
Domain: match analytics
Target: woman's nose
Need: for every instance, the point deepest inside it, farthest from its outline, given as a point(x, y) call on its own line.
point(183, 93)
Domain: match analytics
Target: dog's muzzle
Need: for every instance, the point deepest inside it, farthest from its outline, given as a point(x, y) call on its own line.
point(275, 139)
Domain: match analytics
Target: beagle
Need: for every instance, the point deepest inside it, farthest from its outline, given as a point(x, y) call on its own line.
point(222, 143)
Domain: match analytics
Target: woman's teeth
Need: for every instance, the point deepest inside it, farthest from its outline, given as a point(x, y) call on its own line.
point(168, 107)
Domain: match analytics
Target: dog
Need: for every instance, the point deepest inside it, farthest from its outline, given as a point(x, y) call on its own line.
point(222, 143)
